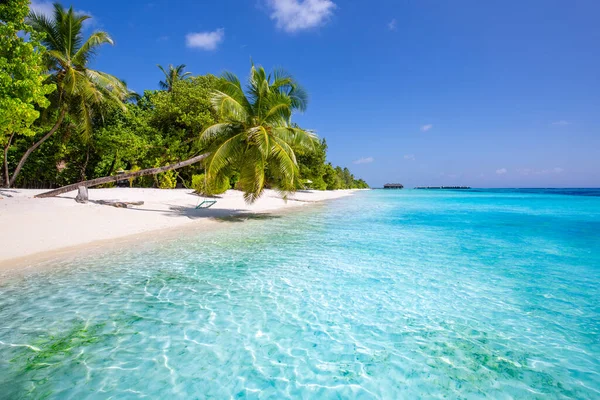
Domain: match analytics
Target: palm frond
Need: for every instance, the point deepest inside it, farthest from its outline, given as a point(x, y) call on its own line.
point(252, 175)
point(286, 160)
point(41, 23)
point(214, 131)
point(277, 109)
point(230, 85)
point(224, 154)
point(260, 138)
point(296, 137)
point(87, 51)
point(228, 107)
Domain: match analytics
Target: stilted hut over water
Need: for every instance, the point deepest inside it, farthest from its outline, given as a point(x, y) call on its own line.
point(393, 186)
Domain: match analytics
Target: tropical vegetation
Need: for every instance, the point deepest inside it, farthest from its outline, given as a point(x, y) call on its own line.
point(62, 122)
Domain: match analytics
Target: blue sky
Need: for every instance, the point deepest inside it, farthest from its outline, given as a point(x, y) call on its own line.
point(423, 92)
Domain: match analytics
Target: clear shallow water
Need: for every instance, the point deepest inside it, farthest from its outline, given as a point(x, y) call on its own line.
point(388, 294)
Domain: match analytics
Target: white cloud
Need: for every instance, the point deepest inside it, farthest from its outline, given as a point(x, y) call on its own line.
point(205, 40)
point(364, 160)
point(501, 171)
point(525, 171)
point(427, 127)
point(392, 25)
point(534, 171)
point(297, 15)
point(46, 8)
point(410, 157)
point(562, 122)
point(42, 7)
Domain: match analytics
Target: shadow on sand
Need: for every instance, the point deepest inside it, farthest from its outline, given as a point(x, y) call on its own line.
point(216, 214)
point(7, 192)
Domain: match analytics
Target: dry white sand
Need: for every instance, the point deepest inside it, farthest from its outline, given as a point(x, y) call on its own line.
point(30, 226)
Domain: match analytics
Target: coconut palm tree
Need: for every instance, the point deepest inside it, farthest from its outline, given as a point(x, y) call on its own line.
point(173, 75)
point(256, 136)
point(80, 90)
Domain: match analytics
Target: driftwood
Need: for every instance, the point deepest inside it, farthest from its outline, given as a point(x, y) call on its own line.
point(122, 177)
point(120, 204)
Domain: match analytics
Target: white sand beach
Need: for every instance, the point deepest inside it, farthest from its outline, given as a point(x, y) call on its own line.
point(33, 226)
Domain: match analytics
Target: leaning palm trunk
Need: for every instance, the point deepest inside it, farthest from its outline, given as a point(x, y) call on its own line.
point(131, 175)
point(30, 150)
point(6, 174)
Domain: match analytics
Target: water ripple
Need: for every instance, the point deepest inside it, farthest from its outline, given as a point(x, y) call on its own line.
point(417, 295)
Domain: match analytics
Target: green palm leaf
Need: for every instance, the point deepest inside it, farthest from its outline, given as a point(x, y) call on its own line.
point(256, 136)
point(81, 91)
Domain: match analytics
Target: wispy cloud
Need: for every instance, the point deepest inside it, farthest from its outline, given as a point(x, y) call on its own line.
point(427, 127)
point(562, 122)
point(536, 171)
point(205, 40)
point(501, 171)
point(46, 8)
point(42, 7)
point(410, 157)
point(364, 160)
point(297, 15)
point(392, 25)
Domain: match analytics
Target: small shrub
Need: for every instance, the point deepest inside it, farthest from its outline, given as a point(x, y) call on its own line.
point(200, 185)
point(135, 168)
point(167, 180)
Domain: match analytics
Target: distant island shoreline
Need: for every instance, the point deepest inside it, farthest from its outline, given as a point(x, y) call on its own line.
point(401, 186)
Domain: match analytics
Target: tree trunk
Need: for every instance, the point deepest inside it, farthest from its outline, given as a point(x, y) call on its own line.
point(35, 146)
point(84, 167)
point(114, 162)
point(6, 176)
point(82, 195)
point(137, 174)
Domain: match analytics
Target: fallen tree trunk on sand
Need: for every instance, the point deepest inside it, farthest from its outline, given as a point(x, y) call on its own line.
point(119, 204)
point(122, 177)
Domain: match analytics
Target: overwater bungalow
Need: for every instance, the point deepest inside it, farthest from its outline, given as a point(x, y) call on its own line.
point(393, 186)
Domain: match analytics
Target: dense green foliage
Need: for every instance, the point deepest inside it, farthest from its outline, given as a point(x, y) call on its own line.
point(81, 93)
point(23, 90)
point(101, 129)
point(22, 86)
point(321, 175)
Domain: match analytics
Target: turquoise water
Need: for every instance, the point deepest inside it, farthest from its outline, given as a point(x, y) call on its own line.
point(387, 294)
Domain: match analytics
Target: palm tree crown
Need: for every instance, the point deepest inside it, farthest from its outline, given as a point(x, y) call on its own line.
point(256, 136)
point(172, 75)
point(80, 89)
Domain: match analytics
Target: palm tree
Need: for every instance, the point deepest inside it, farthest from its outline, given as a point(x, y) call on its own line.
point(173, 75)
point(256, 136)
point(80, 90)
